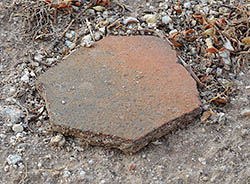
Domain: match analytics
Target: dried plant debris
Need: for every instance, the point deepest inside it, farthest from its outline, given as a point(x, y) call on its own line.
point(211, 38)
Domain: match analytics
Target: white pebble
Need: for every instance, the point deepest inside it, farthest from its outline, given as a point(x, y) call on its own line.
point(166, 19)
point(187, 5)
point(97, 36)
point(17, 128)
point(14, 159)
point(58, 140)
point(51, 60)
point(102, 30)
point(82, 172)
point(91, 162)
point(25, 78)
point(66, 173)
point(38, 57)
point(173, 31)
point(12, 91)
point(102, 182)
point(68, 43)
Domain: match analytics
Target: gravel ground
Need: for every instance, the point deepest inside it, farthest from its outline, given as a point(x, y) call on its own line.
point(213, 149)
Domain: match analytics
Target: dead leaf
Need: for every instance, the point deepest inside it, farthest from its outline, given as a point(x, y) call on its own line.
point(212, 50)
point(173, 41)
point(246, 40)
point(212, 112)
point(209, 32)
point(179, 6)
point(205, 116)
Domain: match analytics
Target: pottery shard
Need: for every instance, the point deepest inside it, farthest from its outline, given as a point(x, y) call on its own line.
point(124, 92)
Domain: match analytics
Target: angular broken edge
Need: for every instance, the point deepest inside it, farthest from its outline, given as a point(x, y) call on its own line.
point(110, 141)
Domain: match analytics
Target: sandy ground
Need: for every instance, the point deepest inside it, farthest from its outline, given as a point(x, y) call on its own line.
point(215, 151)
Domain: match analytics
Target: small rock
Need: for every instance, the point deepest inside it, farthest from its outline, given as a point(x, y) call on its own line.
point(51, 60)
point(157, 143)
point(205, 178)
point(91, 162)
point(13, 114)
point(97, 36)
point(202, 160)
point(219, 71)
point(68, 43)
point(14, 159)
point(150, 18)
point(25, 78)
point(17, 128)
point(32, 74)
point(173, 31)
point(1, 68)
point(102, 30)
point(38, 57)
point(166, 19)
point(12, 91)
point(221, 117)
point(225, 55)
point(66, 173)
point(72, 46)
point(187, 5)
point(58, 140)
point(203, 130)
point(6, 168)
point(70, 34)
point(82, 172)
point(102, 182)
point(87, 38)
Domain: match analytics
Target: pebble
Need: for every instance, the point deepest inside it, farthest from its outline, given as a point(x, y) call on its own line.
point(202, 160)
point(187, 5)
point(51, 60)
point(70, 34)
point(173, 31)
point(25, 78)
point(150, 18)
point(82, 172)
point(225, 55)
point(17, 128)
point(91, 162)
point(1, 68)
point(221, 117)
point(12, 91)
point(166, 19)
point(102, 30)
point(72, 46)
point(102, 182)
point(219, 71)
point(68, 43)
point(97, 36)
point(14, 159)
point(13, 114)
point(38, 57)
point(58, 140)
point(66, 173)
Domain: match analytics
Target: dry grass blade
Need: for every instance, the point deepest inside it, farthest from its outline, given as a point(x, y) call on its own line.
point(37, 17)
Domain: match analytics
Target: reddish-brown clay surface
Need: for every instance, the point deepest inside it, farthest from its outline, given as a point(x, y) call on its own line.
point(124, 92)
